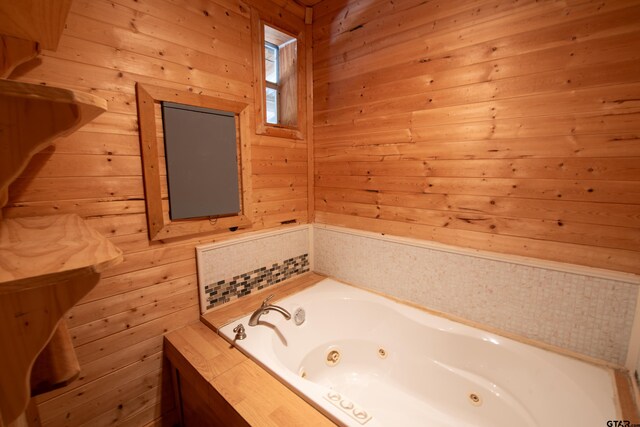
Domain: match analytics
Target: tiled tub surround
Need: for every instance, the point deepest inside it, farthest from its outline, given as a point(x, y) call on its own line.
point(234, 268)
point(227, 289)
point(585, 314)
point(586, 311)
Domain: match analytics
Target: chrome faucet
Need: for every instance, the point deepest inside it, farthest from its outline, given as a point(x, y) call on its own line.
point(266, 307)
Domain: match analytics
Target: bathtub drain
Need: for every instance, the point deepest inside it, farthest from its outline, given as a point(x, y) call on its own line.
point(475, 399)
point(333, 357)
point(382, 353)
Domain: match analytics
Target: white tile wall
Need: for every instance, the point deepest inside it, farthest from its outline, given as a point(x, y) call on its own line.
point(224, 260)
point(575, 310)
point(583, 313)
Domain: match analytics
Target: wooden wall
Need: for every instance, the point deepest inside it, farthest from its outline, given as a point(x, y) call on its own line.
point(107, 46)
point(508, 126)
point(499, 125)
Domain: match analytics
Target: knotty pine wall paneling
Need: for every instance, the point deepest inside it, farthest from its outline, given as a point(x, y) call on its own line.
point(202, 46)
point(505, 126)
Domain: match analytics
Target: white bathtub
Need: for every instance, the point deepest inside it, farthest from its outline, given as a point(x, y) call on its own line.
point(399, 366)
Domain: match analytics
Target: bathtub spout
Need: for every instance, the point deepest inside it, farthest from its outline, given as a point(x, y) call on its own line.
point(266, 307)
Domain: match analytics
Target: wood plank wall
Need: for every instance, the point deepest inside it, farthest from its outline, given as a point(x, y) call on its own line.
point(508, 126)
point(107, 46)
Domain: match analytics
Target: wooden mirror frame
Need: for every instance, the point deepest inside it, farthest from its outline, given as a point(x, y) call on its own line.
point(159, 224)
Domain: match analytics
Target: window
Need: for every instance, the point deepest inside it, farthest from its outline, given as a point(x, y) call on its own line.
point(280, 94)
point(281, 100)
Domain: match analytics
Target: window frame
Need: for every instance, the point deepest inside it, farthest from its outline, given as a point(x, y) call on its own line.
point(271, 85)
point(257, 36)
point(160, 226)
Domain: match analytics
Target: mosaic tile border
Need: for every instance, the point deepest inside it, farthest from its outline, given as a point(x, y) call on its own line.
point(243, 284)
point(229, 260)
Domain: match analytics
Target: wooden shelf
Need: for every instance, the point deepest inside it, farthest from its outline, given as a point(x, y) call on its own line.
point(40, 21)
point(31, 116)
point(13, 52)
point(47, 264)
point(50, 246)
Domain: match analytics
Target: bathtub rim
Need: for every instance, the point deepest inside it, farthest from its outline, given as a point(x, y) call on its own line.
point(215, 321)
point(625, 399)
